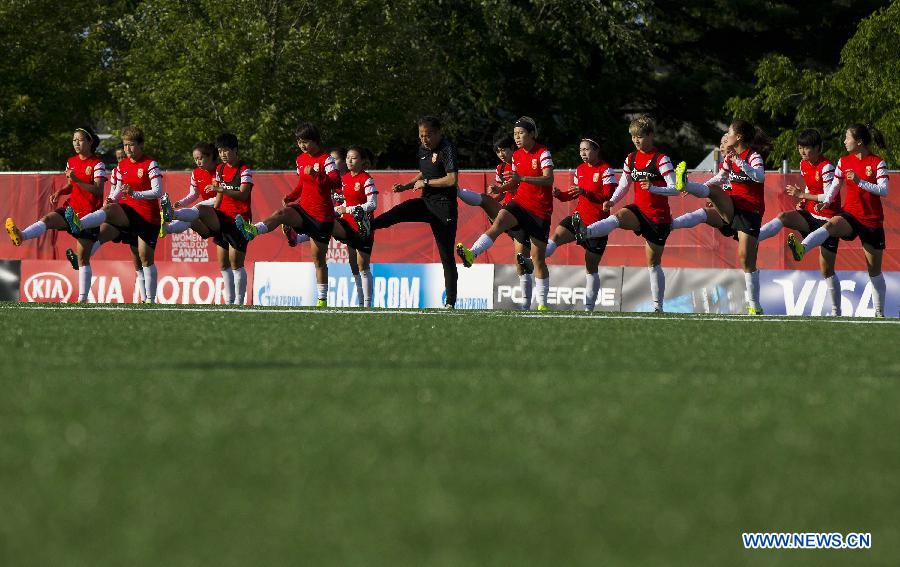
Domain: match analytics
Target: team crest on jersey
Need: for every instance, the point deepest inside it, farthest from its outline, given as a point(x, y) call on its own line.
point(316, 167)
point(88, 170)
point(818, 176)
point(596, 176)
point(357, 186)
point(868, 171)
point(140, 173)
point(534, 164)
point(433, 158)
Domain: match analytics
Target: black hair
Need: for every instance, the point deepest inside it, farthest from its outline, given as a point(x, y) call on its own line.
point(365, 153)
point(432, 122)
point(752, 136)
point(92, 136)
point(341, 151)
point(527, 123)
point(809, 138)
point(504, 142)
point(592, 140)
point(205, 148)
point(866, 133)
point(226, 140)
point(308, 131)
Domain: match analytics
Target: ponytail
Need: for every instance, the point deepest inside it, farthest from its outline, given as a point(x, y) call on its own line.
point(752, 136)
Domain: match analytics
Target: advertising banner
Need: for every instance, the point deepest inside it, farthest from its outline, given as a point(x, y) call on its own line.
point(9, 280)
point(566, 288)
point(687, 291)
point(805, 293)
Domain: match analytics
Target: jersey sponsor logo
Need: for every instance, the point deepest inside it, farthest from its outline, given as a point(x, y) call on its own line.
point(47, 287)
point(140, 173)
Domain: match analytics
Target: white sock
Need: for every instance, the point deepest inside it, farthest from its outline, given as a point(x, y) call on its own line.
point(551, 248)
point(469, 197)
point(770, 229)
point(368, 287)
point(93, 220)
point(189, 215)
point(603, 227)
point(84, 283)
point(177, 226)
point(543, 289)
point(322, 291)
point(752, 282)
point(697, 189)
point(526, 282)
point(657, 286)
point(261, 228)
point(880, 287)
point(240, 285)
point(591, 287)
point(150, 283)
point(834, 290)
point(359, 288)
point(815, 238)
point(483, 243)
point(35, 230)
point(228, 278)
point(96, 246)
point(139, 284)
point(689, 220)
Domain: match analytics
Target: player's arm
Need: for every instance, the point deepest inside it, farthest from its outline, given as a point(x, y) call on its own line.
point(400, 187)
point(668, 173)
point(156, 189)
point(192, 195)
point(242, 193)
point(880, 187)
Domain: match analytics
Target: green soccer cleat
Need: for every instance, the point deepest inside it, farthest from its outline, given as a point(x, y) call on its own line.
point(321, 303)
point(162, 229)
point(755, 311)
point(72, 258)
point(465, 254)
point(796, 247)
point(166, 208)
point(14, 233)
point(73, 221)
point(543, 308)
point(879, 314)
point(681, 177)
point(247, 230)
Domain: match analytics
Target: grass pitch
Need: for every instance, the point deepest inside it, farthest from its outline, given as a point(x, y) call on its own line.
point(151, 436)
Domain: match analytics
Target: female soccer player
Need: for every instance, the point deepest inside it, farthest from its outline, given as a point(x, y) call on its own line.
point(314, 213)
point(437, 179)
point(863, 215)
point(651, 171)
point(530, 208)
point(87, 175)
point(201, 187)
point(810, 214)
point(736, 213)
point(135, 219)
point(593, 186)
point(360, 198)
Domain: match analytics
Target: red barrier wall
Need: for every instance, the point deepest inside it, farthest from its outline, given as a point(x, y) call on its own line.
point(24, 197)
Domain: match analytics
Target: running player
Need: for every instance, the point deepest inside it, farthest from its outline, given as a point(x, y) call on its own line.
point(86, 174)
point(810, 214)
point(863, 215)
point(593, 186)
point(530, 208)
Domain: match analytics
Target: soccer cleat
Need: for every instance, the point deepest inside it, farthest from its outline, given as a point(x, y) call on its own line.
point(755, 311)
point(525, 262)
point(796, 247)
point(581, 234)
point(542, 307)
point(14, 233)
point(449, 306)
point(72, 258)
point(73, 221)
point(165, 206)
point(879, 314)
point(162, 229)
point(247, 230)
point(290, 234)
point(835, 312)
point(465, 254)
point(681, 177)
point(363, 221)
point(321, 303)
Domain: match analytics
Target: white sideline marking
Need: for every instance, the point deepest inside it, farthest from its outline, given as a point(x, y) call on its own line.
point(692, 317)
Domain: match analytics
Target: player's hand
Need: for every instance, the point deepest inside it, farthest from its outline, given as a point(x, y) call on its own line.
point(820, 207)
point(126, 189)
point(851, 175)
point(420, 184)
point(794, 191)
point(515, 177)
point(493, 190)
point(70, 174)
point(557, 193)
point(308, 170)
point(340, 209)
point(645, 185)
point(399, 188)
point(285, 201)
point(607, 205)
point(54, 197)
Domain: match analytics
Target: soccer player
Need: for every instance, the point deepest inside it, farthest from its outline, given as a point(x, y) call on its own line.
point(593, 186)
point(360, 198)
point(86, 174)
point(314, 213)
point(530, 208)
point(200, 188)
point(135, 220)
point(651, 171)
point(810, 214)
point(437, 179)
point(863, 216)
point(736, 213)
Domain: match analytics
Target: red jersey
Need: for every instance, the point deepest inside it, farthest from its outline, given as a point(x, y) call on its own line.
point(598, 182)
point(652, 167)
point(817, 177)
point(503, 174)
point(746, 194)
point(141, 175)
point(91, 170)
point(315, 190)
point(864, 206)
point(233, 177)
point(357, 189)
point(535, 199)
point(200, 180)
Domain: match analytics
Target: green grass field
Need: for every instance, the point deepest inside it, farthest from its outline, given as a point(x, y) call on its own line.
point(150, 436)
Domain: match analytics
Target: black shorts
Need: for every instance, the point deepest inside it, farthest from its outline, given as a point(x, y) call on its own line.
point(354, 240)
point(516, 234)
point(874, 237)
point(593, 245)
point(814, 224)
point(138, 228)
point(653, 232)
point(530, 225)
point(747, 222)
point(320, 231)
point(229, 235)
point(91, 234)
